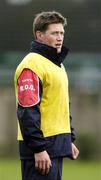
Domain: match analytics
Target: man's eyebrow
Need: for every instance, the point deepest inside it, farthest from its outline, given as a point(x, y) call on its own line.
point(58, 31)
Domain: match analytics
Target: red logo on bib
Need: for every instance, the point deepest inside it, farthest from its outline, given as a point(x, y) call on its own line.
point(28, 88)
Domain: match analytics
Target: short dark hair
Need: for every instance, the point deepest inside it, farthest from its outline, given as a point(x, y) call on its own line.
point(43, 19)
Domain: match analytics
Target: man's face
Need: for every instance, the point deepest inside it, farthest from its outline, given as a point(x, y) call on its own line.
point(53, 36)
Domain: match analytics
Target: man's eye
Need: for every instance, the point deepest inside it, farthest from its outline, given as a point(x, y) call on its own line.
point(62, 33)
point(54, 33)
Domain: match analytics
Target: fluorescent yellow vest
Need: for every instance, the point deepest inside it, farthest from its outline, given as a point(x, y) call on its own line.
point(54, 105)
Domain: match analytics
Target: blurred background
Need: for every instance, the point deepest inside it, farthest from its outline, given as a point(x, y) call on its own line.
point(83, 65)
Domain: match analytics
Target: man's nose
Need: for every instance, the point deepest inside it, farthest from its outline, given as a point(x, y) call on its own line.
point(59, 37)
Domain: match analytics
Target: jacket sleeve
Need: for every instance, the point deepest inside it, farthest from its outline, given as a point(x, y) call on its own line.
point(73, 136)
point(28, 112)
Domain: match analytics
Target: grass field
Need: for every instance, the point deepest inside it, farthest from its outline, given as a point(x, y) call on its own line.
point(72, 170)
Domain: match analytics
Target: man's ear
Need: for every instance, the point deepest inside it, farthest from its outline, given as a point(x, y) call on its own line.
point(39, 36)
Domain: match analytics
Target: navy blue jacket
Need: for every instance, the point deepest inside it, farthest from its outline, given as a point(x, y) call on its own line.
point(34, 141)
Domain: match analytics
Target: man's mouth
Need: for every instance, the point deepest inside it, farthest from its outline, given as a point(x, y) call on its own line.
point(58, 45)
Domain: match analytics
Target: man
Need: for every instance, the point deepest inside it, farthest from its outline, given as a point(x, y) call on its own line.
point(45, 132)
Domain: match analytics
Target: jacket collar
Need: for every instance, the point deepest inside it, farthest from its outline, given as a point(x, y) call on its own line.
point(49, 52)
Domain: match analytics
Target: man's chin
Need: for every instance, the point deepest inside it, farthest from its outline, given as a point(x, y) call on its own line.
point(59, 50)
